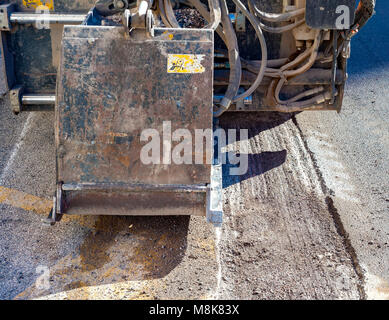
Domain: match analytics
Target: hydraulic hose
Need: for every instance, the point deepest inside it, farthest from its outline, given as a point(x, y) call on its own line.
point(307, 104)
point(314, 52)
point(213, 17)
point(162, 13)
point(281, 29)
point(254, 22)
point(170, 14)
point(202, 9)
point(304, 94)
point(275, 63)
point(299, 59)
point(219, 20)
point(275, 17)
point(234, 59)
point(292, 73)
point(215, 14)
point(285, 70)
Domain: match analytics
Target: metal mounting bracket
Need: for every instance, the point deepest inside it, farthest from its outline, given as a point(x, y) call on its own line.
point(215, 197)
point(5, 12)
point(16, 99)
point(240, 21)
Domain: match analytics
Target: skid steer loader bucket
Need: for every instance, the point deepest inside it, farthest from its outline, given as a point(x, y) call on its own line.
point(115, 91)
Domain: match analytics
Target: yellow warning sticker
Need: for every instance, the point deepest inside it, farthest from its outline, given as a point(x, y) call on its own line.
point(39, 4)
point(185, 63)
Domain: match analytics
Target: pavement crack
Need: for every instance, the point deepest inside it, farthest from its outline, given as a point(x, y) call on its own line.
point(335, 215)
point(347, 243)
point(319, 174)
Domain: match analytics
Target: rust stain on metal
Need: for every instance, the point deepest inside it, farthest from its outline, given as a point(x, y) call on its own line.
point(105, 102)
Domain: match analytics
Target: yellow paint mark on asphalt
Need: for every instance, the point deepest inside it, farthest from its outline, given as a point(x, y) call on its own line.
point(25, 201)
point(41, 206)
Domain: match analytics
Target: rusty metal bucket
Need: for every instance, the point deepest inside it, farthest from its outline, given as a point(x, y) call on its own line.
point(111, 87)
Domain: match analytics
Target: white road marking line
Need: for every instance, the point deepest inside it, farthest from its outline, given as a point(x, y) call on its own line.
point(216, 293)
point(17, 147)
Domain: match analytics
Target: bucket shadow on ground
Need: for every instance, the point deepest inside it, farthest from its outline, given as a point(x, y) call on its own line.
point(116, 250)
point(255, 123)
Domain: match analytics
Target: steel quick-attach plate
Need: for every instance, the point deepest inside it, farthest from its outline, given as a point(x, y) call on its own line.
point(330, 14)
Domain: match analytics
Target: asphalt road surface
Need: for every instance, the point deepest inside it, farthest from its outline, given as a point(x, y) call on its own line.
point(310, 219)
